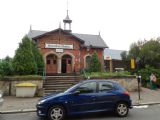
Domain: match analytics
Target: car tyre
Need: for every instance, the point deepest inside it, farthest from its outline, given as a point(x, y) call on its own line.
point(122, 109)
point(56, 113)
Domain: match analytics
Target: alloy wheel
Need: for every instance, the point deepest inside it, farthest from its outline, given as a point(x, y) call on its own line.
point(56, 113)
point(122, 109)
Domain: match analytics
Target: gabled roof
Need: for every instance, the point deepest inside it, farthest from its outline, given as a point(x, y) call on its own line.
point(92, 40)
point(35, 33)
point(113, 54)
point(89, 40)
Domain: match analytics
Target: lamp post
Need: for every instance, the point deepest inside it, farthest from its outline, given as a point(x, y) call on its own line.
point(138, 77)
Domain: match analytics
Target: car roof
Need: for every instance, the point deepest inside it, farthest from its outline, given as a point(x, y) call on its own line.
point(98, 80)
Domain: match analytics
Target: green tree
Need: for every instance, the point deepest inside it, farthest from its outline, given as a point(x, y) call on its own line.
point(24, 61)
point(95, 65)
point(6, 67)
point(150, 53)
point(125, 60)
point(146, 52)
point(134, 51)
point(38, 59)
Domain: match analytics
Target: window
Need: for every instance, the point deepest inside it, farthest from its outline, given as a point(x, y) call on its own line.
point(88, 61)
point(48, 62)
point(89, 87)
point(105, 86)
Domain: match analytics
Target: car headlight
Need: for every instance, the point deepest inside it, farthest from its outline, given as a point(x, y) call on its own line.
point(41, 102)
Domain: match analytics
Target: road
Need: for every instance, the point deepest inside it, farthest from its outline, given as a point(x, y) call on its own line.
point(143, 113)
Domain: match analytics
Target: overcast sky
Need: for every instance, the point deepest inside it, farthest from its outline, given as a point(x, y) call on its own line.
point(120, 22)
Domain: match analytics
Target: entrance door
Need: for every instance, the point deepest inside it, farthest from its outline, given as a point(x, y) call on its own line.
point(66, 64)
point(51, 64)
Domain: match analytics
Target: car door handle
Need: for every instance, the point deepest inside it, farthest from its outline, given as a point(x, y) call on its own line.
point(93, 97)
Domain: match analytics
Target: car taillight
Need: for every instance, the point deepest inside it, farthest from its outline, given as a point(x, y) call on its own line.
point(126, 93)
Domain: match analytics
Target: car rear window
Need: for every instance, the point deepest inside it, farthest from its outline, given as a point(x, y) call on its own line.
point(105, 86)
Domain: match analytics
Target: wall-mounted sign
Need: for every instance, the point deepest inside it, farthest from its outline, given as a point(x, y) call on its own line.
point(108, 58)
point(132, 63)
point(59, 50)
point(58, 46)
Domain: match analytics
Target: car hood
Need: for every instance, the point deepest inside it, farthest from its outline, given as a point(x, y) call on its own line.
point(52, 95)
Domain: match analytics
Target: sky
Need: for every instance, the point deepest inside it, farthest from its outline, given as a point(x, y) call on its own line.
point(120, 22)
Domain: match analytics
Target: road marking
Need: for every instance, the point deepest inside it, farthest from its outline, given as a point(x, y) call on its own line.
point(141, 106)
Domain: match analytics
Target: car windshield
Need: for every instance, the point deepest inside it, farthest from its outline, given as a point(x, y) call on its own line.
point(71, 88)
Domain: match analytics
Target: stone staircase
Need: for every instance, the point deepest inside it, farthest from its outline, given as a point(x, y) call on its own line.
point(59, 83)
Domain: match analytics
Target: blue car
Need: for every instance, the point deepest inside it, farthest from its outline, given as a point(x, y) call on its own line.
point(88, 96)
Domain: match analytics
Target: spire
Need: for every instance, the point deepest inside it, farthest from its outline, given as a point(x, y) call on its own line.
point(99, 33)
point(30, 28)
point(67, 21)
point(59, 24)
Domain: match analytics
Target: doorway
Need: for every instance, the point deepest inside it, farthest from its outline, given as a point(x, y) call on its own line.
point(66, 64)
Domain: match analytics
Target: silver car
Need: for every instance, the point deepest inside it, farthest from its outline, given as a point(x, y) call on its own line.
point(1, 99)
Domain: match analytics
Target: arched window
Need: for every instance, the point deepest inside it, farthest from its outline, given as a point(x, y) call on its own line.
point(88, 61)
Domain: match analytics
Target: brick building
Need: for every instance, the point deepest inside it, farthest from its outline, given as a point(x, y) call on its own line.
point(66, 52)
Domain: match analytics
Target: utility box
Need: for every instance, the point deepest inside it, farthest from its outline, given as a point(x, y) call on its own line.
point(25, 90)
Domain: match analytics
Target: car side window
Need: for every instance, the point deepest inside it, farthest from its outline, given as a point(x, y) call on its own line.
point(105, 86)
point(89, 87)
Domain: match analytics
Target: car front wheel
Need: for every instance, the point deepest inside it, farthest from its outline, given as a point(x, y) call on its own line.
point(122, 109)
point(56, 113)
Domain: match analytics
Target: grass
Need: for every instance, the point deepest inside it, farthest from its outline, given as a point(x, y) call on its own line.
point(22, 77)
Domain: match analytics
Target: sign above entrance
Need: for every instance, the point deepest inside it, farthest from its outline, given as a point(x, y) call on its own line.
point(58, 46)
point(59, 50)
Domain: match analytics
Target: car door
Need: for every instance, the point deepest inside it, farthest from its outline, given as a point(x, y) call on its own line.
point(85, 100)
point(106, 97)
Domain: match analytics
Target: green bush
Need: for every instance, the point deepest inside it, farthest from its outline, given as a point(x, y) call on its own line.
point(107, 74)
point(6, 67)
point(27, 59)
point(146, 72)
point(95, 65)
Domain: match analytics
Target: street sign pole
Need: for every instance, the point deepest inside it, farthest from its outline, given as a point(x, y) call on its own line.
point(139, 80)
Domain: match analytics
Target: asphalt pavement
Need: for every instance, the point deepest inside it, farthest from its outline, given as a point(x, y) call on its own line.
point(138, 113)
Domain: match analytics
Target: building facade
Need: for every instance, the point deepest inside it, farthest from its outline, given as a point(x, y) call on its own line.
point(67, 52)
point(113, 60)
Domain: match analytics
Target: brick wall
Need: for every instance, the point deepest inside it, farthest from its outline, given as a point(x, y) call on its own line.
point(78, 54)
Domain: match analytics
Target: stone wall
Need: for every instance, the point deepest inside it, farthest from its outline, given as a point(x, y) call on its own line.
point(8, 86)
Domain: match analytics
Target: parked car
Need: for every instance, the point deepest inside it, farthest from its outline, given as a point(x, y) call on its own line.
point(86, 97)
point(1, 99)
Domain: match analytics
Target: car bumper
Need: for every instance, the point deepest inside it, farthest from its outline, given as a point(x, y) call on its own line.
point(130, 104)
point(41, 111)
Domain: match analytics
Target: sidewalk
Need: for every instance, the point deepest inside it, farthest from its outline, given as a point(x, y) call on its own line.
point(11, 103)
point(147, 96)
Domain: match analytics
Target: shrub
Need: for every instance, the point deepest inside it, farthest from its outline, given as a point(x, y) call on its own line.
point(146, 72)
point(95, 65)
point(6, 67)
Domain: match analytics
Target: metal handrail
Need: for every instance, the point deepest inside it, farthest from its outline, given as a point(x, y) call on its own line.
point(44, 75)
point(83, 70)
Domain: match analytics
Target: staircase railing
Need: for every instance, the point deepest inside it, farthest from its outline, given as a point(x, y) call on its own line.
point(85, 75)
point(44, 76)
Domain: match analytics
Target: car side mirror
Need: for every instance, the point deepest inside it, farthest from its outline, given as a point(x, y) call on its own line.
point(76, 93)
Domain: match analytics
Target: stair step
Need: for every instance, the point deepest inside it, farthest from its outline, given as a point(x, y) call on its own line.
point(56, 88)
point(59, 83)
point(62, 78)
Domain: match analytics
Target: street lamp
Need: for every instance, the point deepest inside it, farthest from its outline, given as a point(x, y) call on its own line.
point(138, 76)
